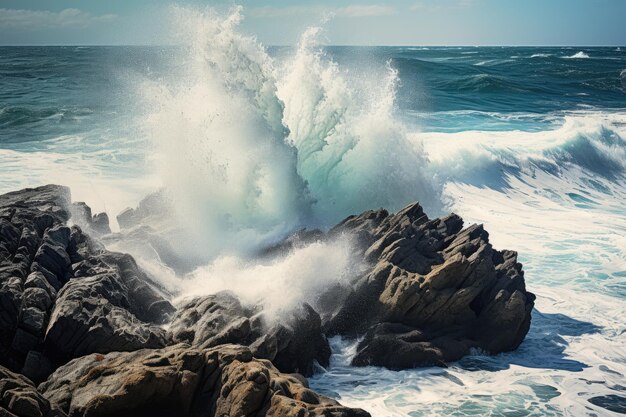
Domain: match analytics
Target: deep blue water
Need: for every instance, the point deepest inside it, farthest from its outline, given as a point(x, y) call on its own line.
point(46, 92)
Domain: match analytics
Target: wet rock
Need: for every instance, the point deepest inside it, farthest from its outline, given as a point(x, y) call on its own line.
point(100, 224)
point(294, 343)
point(433, 292)
point(61, 293)
point(184, 381)
point(20, 398)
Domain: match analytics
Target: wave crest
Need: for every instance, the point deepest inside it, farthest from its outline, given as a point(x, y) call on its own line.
point(577, 55)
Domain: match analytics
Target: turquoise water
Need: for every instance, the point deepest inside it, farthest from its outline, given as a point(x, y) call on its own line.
point(529, 141)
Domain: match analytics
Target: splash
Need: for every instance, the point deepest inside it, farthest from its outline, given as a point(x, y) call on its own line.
point(277, 285)
point(352, 152)
point(250, 149)
point(219, 137)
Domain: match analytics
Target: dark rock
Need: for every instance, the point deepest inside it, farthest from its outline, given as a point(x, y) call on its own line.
point(183, 381)
point(108, 306)
point(295, 344)
point(20, 398)
point(61, 293)
point(36, 366)
point(100, 224)
point(433, 292)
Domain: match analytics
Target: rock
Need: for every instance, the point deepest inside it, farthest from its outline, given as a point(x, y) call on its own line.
point(109, 305)
point(61, 293)
point(295, 344)
point(20, 398)
point(100, 224)
point(97, 224)
point(183, 381)
point(152, 209)
point(433, 292)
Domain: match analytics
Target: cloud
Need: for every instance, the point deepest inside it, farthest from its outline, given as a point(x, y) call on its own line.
point(441, 4)
point(353, 10)
point(357, 10)
point(25, 20)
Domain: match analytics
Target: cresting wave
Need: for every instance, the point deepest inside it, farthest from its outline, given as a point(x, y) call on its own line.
point(578, 55)
point(586, 143)
point(251, 149)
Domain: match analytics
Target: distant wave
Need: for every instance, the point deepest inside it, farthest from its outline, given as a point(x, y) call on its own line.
point(549, 55)
point(588, 144)
point(578, 55)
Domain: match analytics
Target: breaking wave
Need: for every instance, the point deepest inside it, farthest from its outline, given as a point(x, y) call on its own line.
point(577, 55)
point(251, 149)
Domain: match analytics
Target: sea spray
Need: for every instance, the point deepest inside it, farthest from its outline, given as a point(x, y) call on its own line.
point(220, 141)
point(352, 151)
point(251, 149)
point(275, 284)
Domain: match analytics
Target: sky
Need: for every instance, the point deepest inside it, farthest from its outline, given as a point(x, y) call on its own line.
point(351, 22)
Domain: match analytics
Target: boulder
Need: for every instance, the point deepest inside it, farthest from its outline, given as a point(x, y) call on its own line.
point(61, 293)
point(295, 343)
point(20, 398)
point(434, 291)
point(109, 305)
point(183, 381)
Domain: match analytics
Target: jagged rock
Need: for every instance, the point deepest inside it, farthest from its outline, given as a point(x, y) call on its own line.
point(97, 224)
point(100, 223)
point(153, 231)
point(108, 306)
point(152, 209)
point(183, 381)
point(61, 293)
point(434, 291)
point(295, 344)
point(20, 398)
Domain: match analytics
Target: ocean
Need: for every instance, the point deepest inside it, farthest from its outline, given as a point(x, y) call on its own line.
point(257, 142)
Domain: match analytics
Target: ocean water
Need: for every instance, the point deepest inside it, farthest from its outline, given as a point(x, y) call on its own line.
point(254, 142)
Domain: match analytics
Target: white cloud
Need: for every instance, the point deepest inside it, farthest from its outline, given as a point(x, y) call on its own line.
point(353, 10)
point(441, 4)
point(357, 10)
point(20, 19)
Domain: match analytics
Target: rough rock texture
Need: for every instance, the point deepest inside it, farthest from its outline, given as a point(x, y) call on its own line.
point(429, 291)
point(183, 381)
point(61, 293)
point(293, 344)
point(435, 291)
point(107, 306)
point(152, 231)
point(20, 398)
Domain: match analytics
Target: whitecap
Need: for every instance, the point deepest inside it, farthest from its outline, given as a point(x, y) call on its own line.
point(577, 55)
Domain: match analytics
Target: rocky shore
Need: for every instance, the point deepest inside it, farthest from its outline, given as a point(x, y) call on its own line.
point(86, 332)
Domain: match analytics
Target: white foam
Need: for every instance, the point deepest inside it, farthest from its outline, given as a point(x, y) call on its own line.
point(250, 149)
point(577, 55)
point(278, 285)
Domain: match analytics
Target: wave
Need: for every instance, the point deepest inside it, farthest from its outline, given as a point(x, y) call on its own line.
point(592, 142)
point(250, 149)
point(19, 116)
point(577, 55)
point(541, 55)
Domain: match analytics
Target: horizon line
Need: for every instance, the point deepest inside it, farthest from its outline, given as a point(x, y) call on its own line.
point(343, 45)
